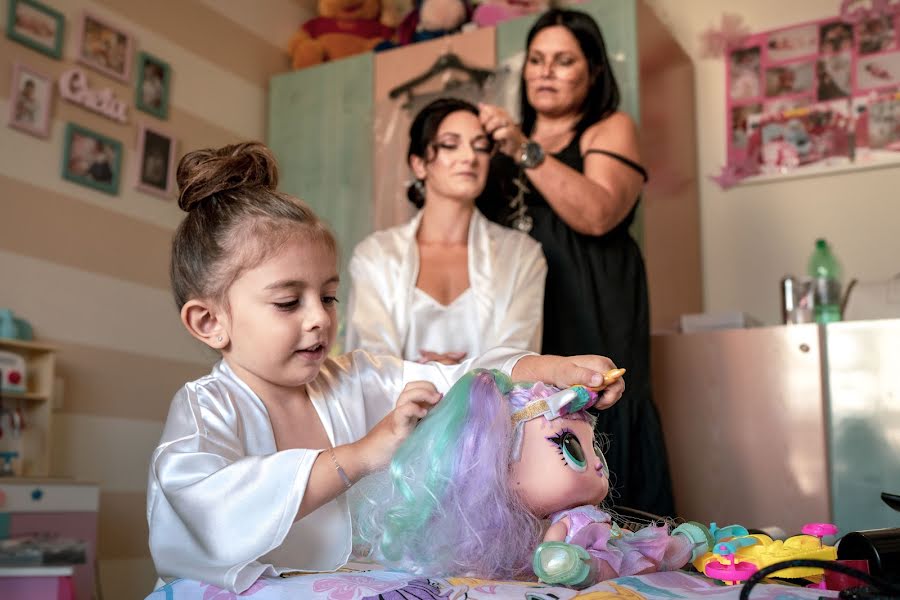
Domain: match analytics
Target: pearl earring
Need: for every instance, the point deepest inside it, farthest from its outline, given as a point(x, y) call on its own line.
point(219, 339)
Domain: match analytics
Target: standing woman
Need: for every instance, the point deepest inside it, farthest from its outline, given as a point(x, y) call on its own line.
point(578, 177)
point(449, 284)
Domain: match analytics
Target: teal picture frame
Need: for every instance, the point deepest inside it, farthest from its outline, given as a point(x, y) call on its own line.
point(92, 159)
point(151, 93)
point(34, 25)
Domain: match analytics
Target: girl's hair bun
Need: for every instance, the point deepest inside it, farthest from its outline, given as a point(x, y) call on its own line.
point(211, 172)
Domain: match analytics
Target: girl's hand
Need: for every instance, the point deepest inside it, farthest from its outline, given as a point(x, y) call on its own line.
point(378, 446)
point(566, 371)
point(501, 128)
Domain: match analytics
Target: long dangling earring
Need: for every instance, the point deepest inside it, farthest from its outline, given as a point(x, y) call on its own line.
point(519, 217)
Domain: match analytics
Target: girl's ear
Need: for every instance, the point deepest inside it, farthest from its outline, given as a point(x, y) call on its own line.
point(417, 164)
point(206, 323)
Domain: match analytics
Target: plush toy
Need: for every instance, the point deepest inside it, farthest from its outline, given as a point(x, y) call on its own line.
point(491, 12)
point(470, 490)
point(343, 28)
point(432, 19)
point(394, 11)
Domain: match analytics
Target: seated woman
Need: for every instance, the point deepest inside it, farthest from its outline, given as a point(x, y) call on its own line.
point(449, 283)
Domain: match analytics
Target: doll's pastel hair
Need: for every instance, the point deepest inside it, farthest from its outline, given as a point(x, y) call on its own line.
point(446, 507)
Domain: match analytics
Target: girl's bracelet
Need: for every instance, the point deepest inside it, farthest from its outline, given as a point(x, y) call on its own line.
point(340, 469)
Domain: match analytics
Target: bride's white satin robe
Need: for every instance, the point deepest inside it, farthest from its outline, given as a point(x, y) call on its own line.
point(507, 273)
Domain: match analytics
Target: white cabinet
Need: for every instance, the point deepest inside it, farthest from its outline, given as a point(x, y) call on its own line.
point(780, 426)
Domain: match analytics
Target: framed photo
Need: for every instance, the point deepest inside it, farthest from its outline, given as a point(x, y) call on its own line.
point(790, 79)
point(745, 73)
point(155, 162)
point(37, 26)
point(104, 47)
point(835, 37)
point(875, 71)
point(29, 106)
point(876, 35)
point(880, 123)
point(91, 159)
point(152, 92)
point(794, 42)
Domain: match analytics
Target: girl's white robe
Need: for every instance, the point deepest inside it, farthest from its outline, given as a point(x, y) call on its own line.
point(221, 500)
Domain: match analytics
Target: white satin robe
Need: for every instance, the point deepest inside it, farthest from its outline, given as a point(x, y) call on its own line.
point(221, 499)
point(507, 272)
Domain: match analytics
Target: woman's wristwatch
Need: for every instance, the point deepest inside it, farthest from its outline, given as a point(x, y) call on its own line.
point(530, 155)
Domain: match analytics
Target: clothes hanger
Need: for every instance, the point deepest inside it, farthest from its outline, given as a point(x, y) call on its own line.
point(445, 62)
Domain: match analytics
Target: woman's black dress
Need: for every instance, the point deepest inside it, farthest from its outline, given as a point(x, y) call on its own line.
point(596, 303)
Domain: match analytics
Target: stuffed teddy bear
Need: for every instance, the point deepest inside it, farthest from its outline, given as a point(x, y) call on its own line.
point(491, 12)
point(343, 28)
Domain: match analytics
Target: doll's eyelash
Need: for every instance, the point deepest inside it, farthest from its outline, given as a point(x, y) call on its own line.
point(558, 437)
point(570, 449)
point(557, 440)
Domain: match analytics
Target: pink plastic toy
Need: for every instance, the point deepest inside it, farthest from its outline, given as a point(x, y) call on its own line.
point(730, 573)
point(819, 530)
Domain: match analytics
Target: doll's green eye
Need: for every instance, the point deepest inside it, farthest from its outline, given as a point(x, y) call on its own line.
point(571, 450)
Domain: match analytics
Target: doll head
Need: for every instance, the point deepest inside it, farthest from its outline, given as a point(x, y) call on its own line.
point(466, 493)
point(557, 465)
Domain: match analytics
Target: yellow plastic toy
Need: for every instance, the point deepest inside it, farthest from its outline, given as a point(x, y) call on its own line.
point(736, 558)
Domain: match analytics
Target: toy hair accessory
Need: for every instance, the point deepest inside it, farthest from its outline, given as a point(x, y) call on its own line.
point(562, 403)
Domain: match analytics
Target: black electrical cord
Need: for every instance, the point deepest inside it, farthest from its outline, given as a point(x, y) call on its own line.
point(884, 590)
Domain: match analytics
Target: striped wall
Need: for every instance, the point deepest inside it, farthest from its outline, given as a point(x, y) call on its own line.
point(89, 270)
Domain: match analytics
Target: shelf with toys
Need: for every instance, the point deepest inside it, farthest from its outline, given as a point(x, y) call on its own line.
point(27, 372)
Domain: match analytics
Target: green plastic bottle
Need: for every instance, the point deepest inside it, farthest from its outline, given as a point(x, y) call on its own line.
point(826, 274)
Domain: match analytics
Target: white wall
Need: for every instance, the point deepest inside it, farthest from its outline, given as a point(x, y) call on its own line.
point(753, 234)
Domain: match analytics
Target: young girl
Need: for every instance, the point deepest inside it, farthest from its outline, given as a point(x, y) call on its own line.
point(249, 476)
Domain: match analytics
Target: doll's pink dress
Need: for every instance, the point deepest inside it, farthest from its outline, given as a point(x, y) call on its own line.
point(627, 553)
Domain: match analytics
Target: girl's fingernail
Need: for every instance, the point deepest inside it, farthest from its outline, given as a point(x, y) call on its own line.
point(596, 379)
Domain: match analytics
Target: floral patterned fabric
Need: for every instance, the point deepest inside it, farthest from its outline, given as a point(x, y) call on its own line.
point(352, 584)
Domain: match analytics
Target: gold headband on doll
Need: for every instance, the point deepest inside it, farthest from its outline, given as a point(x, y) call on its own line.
point(564, 402)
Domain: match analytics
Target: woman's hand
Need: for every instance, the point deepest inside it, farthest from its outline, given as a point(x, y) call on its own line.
point(378, 446)
point(566, 371)
point(501, 128)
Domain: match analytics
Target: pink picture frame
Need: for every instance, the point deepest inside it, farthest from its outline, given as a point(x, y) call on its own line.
point(804, 65)
point(105, 47)
point(31, 97)
point(155, 162)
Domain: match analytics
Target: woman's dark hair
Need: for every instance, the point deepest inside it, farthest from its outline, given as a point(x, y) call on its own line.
point(423, 131)
point(603, 92)
point(235, 219)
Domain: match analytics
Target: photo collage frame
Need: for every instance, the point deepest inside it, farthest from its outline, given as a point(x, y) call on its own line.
point(822, 92)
